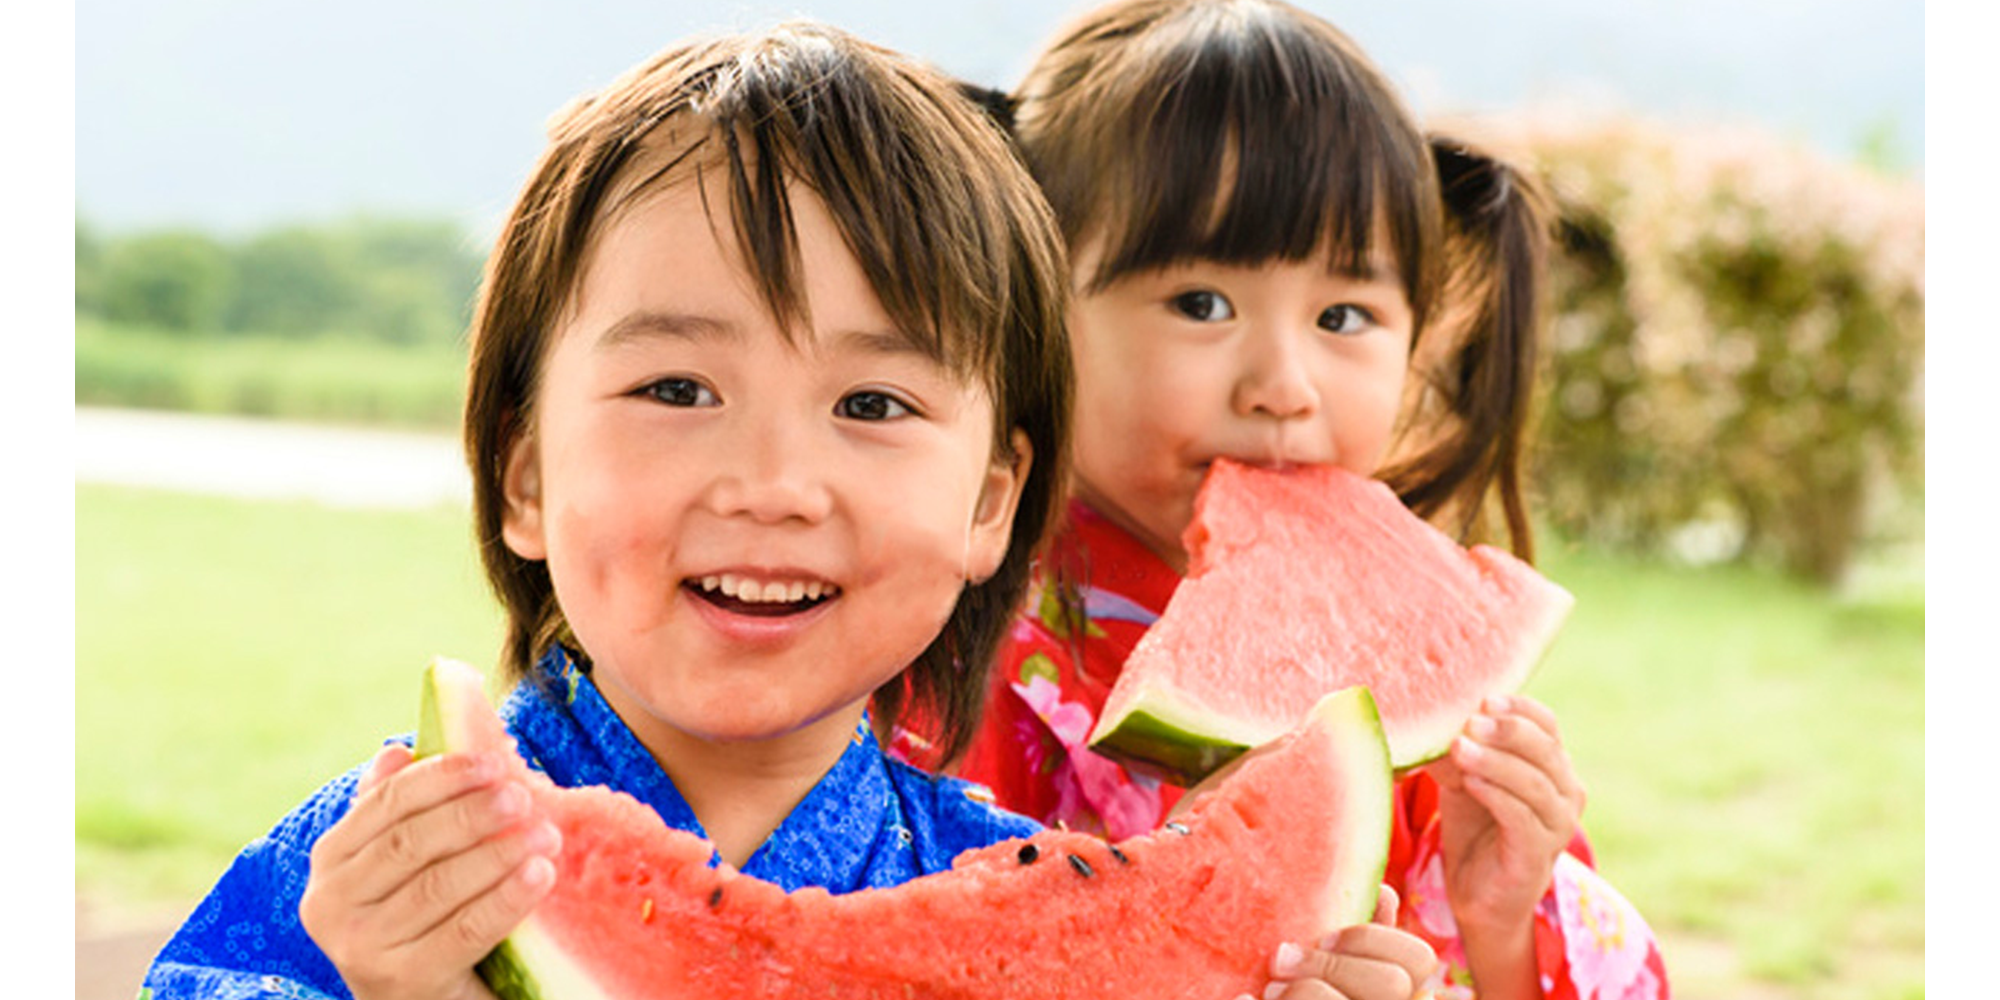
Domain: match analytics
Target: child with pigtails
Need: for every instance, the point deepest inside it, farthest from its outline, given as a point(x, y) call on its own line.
point(1272, 263)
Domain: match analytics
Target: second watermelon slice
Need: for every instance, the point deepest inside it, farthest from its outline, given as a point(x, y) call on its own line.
point(1308, 580)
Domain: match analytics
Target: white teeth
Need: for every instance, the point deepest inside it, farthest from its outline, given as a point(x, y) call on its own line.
point(731, 585)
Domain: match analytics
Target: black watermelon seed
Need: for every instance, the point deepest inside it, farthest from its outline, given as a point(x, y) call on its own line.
point(1177, 828)
point(1029, 853)
point(715, 898)
point(1120, 855)
point(1082, 867)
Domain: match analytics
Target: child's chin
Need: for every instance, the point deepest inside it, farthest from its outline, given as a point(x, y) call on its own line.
point(741, 724)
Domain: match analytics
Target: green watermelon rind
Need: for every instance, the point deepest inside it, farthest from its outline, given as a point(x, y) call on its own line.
point(1356, 723)
point(441, 729)
point(554, 977)
point(431, 724)
point(1166, 734)
point(507, 975)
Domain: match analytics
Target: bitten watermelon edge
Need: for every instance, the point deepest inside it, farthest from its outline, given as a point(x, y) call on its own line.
point(1308, 580)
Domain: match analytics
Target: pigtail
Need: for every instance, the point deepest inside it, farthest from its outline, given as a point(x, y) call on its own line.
point(998, 104)
point(1473, 372)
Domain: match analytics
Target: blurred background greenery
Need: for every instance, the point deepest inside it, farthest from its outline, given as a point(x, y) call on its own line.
point(1727, 471)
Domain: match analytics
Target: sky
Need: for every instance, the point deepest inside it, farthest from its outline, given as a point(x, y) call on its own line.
point(239, 114)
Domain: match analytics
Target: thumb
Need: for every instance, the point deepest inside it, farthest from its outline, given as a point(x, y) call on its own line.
point(1386, 905)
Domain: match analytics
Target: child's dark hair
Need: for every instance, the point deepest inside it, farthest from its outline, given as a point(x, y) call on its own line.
point(1472, 376)
point(1307, 153)
point(952, 234)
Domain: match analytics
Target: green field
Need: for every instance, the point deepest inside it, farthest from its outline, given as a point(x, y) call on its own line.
point(1753, 748)
point(231, 656)
point(335, 379)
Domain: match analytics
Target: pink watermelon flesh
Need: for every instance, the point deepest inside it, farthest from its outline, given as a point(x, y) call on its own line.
point(1288, 847)
point(1309, 580)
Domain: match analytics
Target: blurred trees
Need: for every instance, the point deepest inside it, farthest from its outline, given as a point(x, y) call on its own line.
point(1735, 365)
point(394, 280)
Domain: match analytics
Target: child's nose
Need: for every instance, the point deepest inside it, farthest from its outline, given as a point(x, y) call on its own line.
point(772, 474)
point(1274, 378)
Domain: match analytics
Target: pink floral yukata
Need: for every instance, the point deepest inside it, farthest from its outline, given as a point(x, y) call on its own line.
point(1049, 684)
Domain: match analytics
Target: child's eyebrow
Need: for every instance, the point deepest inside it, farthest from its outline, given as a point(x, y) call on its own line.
point(1375, 269)
point(675, 326)
point(879, 342)
point(648, 324)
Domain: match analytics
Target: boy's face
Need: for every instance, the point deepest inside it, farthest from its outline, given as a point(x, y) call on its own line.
point(748, 537)
point(1278, 363)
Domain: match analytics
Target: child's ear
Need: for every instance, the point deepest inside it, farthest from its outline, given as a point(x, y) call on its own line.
point(521, 495)
point(993, 516)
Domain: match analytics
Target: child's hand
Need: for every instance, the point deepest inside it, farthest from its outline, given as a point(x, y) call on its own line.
point(1364, 962)
point(1509, 802)
point(437, 861)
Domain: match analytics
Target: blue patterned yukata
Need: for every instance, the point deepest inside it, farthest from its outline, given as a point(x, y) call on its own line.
point(870, 822)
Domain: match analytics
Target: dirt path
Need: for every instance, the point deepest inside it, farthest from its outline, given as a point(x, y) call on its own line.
point(269, 459)
point(113, 950)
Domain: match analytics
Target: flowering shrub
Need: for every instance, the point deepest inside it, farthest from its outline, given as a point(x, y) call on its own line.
point(1736, 344)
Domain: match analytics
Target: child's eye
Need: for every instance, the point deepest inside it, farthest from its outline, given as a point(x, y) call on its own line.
point(681, 391)
point(1203, 306)
point(871, 405)
point(1345, 319)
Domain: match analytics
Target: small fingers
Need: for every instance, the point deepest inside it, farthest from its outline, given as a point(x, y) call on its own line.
point(1498, 747)
point(1366, 962)
point(1519, 795)
point(427, 840)
point(478, 925)
point(1302, 989)
point(440, 961)
point(1528, 728)
point(1378, 943)
point(399, 792)
point(440, 890)
point(1542, 715)
point(1520, 736)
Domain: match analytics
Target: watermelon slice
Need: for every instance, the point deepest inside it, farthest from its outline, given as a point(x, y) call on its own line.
point(1287, 847)
point(1309, 580)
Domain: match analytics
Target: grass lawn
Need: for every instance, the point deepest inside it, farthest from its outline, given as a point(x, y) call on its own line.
point(1753, 748)
point(330, 379)
point(232, 656)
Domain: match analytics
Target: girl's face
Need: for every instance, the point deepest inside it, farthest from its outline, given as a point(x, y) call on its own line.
point(1281, 363)
point(748, 537)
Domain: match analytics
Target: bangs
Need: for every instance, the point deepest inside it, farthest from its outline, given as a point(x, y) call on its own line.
point(1239, 133)
point(762, 126)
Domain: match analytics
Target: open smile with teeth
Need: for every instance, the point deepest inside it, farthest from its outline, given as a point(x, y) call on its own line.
point(770, 597)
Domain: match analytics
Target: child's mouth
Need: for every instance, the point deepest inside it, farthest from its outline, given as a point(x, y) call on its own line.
point(743, 596)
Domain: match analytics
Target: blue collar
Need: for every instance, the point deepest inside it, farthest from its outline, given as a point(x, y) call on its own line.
point(850, 824)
